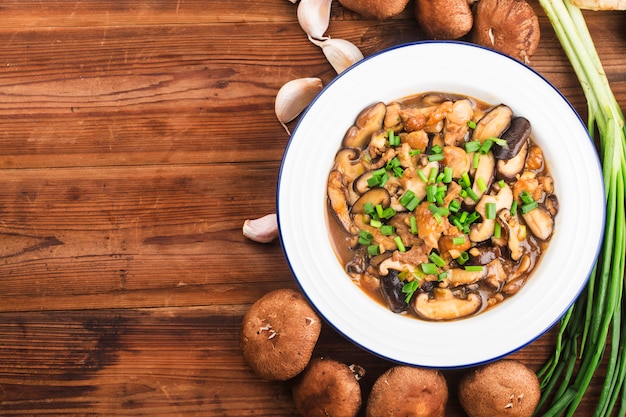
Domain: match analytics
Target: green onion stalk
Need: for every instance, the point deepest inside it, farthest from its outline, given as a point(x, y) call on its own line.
point(598, 315)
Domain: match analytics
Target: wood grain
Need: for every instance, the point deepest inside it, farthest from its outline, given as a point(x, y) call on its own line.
point(136, 137)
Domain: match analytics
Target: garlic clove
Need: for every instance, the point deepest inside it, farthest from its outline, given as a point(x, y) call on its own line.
point(314, 17)
point(263, 229)
point(293, 97)
point(339, 52)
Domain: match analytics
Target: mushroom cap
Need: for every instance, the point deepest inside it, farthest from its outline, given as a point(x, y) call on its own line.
point(510, 26)
point(278, 334)
point(444, 19)
point(506, 388)
point(327, 388)
point(410, 392)
point(379, 9)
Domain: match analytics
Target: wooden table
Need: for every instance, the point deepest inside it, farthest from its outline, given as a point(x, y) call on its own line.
point(136, 139)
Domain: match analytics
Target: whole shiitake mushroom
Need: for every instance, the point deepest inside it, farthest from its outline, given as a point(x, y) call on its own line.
point(327, 388)
point(278, 334)
point(408, 392)
point(510, 26)
point(378, 9)
point(506, 388)
point(444, 19)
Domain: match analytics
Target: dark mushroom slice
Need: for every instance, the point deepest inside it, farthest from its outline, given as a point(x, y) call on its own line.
point(509, 169)
point(493, 124)
point(369, 121)
point(374, 196)
point(540, 222)
point(328, 388)
point(445, 306)
point(515, 136)
point(360, 184)
point(391, 290)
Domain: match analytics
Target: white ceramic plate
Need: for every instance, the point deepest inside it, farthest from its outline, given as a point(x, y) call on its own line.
point(453, 67)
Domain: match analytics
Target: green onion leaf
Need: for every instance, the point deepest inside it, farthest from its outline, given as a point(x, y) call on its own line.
point(490, 211)
point(399, 244)
point(429, 269)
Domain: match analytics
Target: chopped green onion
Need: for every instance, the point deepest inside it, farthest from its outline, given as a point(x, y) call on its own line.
point(465, 180)
point(365, 237)
point(471, 124)
point(473, 268)
point(529, 207)
point(447, 175)
point(409, 289)
point(486, 146)
point(481, 184)
point(472, 194)
point(435, 157)
point(463, 258)
point(454, 206)
point(497, 230)
point(369, 208)
point(473, 146)
point(394, 140)
point(399, 244)
point(526, 197)
point(373, 250)
point(476, 160)
point(379, 210)
point(440, 177)
point(513, 208)
point(433, 174)
point(501, 183)
point(387, 230)
point(407, 197)
point(431, 191)
point(414, 152)
point(501, 142)
point(375, 223)
point(422, 176)
point(413, 223)
point(429, 269)
point(412, 205)
point(436, 259)
point(458, 240)
point(436, 149)
point(490, 211)
point(388, 213)
point(442, 276)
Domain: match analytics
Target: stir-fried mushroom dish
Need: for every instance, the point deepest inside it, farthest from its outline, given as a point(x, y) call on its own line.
point(440, 205)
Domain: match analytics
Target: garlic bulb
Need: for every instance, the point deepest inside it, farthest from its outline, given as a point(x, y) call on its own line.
point(314, 17)
point(293, 97)
point(339, 52)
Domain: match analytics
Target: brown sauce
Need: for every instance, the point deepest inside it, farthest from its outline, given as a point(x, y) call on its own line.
point(440, 206)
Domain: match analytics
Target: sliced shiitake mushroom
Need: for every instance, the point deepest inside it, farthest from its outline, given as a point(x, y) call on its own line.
point(369, 121)
point(493, 124)
point(515, 136)
point(374, 196)
point(328, 388)
point(444, 305)
point(510, 26)
point(540, 222)
point(509, 169)
point(408, 392)
point(339, 200)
